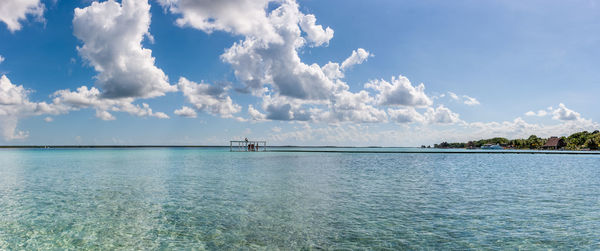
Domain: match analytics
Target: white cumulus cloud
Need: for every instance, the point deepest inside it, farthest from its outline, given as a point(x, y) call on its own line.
point(255, 114)
point(561, 113)
point(257, 61)
point(470, 100)
point(284, 108)
point(15, 104)
point(12, 12)
point(241, 17)
point(540, 113)
point(564, 113)
point(400, 92)
point(334, 71)
point(467, 100)
point(112, 34)
point(358, 57)
point(209, 98)
point(85, 97)
point(268, 63)
point(315, 33)
point(104, 115)
point(186, 111)
point(268, 54)
point(406, 115)
point(441, 115)
point(453, 95)
point(354, 107)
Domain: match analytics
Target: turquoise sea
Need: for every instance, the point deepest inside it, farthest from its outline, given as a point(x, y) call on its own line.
point(210, 198)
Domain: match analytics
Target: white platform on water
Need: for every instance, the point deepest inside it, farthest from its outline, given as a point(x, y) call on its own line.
point(247, 146)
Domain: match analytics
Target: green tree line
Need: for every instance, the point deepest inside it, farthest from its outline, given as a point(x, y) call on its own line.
point(575, 141)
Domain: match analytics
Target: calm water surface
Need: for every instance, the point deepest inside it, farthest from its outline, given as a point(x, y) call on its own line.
point(212, 199)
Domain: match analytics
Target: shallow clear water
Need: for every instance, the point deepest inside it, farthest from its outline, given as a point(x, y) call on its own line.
point(212, 199)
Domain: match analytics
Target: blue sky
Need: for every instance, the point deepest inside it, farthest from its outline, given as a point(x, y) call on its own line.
point(389, 73)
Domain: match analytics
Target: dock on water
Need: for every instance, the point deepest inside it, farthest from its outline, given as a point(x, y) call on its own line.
point(247, 146)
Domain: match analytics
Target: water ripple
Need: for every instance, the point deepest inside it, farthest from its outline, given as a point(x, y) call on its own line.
point(191, 199)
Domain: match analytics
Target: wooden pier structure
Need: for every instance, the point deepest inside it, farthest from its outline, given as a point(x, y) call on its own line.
point(247, 146)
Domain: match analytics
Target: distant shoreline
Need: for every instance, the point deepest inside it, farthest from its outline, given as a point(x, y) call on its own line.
point(108, 146)
point(179, 146)
point(290, 149)
point(466, 151)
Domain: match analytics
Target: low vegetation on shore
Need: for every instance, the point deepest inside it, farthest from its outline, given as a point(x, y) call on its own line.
point(577, 141)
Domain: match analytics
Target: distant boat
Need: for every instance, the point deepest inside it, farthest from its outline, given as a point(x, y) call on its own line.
point(492, 147)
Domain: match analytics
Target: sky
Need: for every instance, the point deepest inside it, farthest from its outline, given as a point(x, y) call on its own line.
point(305, 72)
